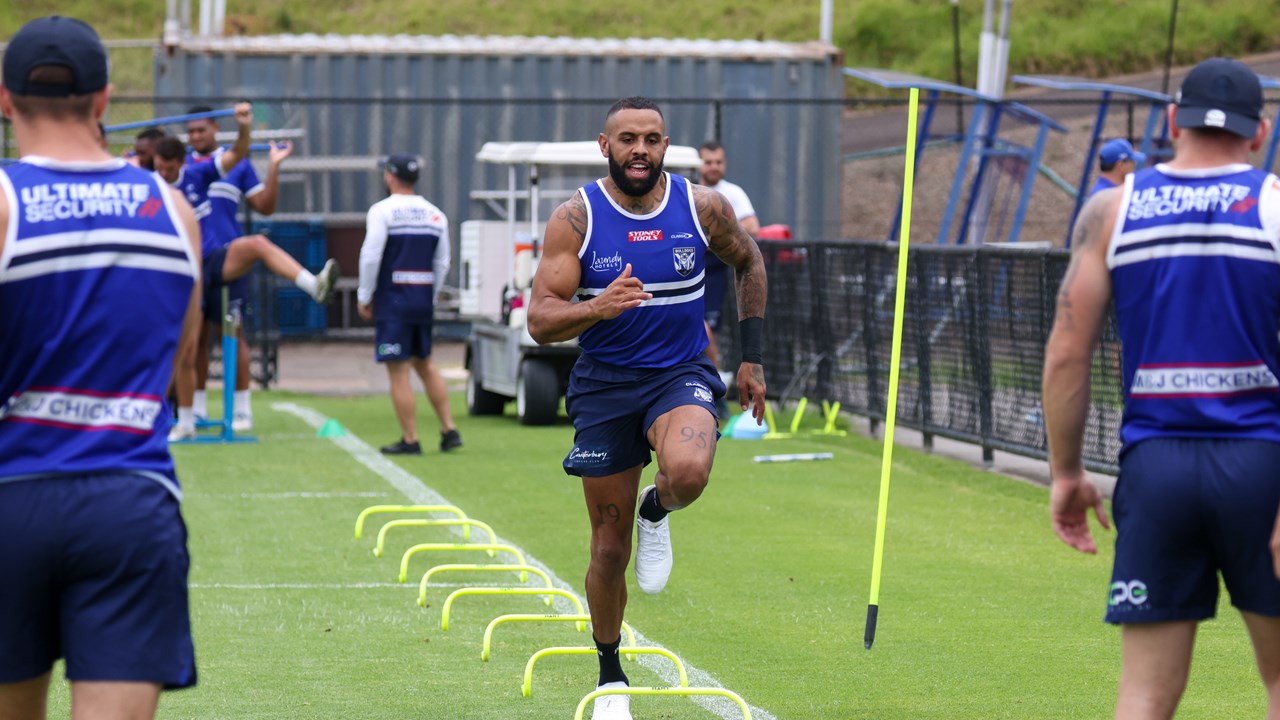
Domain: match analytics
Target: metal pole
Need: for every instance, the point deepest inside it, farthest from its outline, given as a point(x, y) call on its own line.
point(1168, 51)
point(955, 61)
point(825, 22)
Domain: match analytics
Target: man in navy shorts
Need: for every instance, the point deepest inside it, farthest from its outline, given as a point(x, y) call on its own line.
point(1189, 251)
point(99, 269)
point(404, 256)
point(629, 248)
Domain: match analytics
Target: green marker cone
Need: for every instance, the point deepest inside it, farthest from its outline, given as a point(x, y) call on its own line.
point(331, 429)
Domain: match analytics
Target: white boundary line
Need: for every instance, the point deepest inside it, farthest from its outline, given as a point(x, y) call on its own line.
point(418, 492)
point(286, 495)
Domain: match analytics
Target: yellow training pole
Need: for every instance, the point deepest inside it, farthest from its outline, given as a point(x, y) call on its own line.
point(899, 304)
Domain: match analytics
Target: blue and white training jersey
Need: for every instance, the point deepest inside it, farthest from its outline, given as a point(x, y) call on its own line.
point(1195, 267)
point(95, 278)
point(404, 255)
point(225, 195)
point(665, 249)
point(194, 180)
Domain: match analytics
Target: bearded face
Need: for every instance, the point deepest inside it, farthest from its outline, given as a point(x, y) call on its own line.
point(637, 177)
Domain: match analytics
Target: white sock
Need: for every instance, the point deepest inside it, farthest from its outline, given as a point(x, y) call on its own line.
point(186, 417)
point(201, 403)
point(243, 408)
point(306, 282)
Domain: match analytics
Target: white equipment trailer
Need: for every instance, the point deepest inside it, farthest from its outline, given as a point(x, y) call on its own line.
point(497, 262)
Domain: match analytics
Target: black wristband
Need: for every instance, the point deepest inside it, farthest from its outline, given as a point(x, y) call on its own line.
point(751, 332)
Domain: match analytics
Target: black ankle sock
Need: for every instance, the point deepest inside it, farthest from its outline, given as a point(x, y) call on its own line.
point(610, 662)
point(651, 509)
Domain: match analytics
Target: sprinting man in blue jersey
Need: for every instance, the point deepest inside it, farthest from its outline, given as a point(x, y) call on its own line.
point(623, 271)
point(99, 271)
point(1189, 251)
point(223, 227)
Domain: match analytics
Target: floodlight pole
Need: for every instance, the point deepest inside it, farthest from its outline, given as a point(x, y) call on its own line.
point(825, 22)
point(1168, 52)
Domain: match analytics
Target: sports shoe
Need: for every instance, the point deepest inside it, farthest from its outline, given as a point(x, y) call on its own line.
point(326, 281)
point(612, 707)
point(400, 447)
point(653, 550)
point(450, 440)
point(178, 433)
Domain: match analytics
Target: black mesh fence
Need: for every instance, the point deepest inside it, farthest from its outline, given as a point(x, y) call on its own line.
point(973, 337)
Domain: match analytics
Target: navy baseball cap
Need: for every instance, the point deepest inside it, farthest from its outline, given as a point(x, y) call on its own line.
point(1119, 150)
point(403, 166)
point(1220, 93)
point(60, 41)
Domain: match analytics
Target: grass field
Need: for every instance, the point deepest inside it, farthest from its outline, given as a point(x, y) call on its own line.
point(984, 614)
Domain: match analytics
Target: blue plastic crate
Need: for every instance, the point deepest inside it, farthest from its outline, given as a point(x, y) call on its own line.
point(305, 241)
point(298, 314)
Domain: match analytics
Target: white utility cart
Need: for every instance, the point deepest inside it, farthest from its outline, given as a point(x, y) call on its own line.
point(497, 260)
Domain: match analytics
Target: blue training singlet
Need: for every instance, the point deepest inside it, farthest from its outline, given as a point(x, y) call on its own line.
point(1195, 267)
point(223, 223)
point(95, 277)
point(666, 251)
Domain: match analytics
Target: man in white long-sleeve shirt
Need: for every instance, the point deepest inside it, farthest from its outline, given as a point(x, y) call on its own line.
point(405, 253)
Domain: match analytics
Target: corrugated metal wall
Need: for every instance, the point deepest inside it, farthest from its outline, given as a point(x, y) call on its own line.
point(775, 108)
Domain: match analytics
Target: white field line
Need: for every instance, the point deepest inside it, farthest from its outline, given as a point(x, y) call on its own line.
point(336, 586)
point(288, 495)
point(418, 492)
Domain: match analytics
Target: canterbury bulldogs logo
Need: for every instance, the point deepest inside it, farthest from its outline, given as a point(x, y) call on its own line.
point(685, 259)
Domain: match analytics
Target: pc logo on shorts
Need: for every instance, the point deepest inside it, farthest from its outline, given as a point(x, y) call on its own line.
point(1133, 592)
point(386, 349)
point(685, 259)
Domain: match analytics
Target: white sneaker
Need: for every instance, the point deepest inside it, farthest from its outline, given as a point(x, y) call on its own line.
point(612, 707)
point(653, 550)
point(241, 423)
point(178, 433)
point(326, 281)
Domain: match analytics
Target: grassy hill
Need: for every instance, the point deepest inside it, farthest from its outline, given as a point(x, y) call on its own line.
point(1084, 37)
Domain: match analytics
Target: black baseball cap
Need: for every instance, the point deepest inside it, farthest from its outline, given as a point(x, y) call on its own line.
point(403, 166)
point(55, 40)
point(1220, 93)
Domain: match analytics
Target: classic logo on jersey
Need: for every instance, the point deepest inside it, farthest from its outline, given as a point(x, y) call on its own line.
point(644, 235)
point(1176, 199)
point(83, 410)
point(685, 258)
point(1133, 592)
point(64, 201)
point(606, 263)
point(682, 236)
point(1173, 381)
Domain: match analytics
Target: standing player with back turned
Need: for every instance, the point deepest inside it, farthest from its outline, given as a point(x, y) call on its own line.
point(99, 265)
point(1189, 251)
point(629, 249)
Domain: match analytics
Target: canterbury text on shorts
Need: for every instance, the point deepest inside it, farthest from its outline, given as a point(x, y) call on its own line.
point(612, 408)
point(1185, 511)
point(211, 302)
point(95, 570)
point(398, 339)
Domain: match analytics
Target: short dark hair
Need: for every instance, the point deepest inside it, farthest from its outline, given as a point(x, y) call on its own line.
point(152, 133)
point(170, 148)
point(635, 102)
point(1105, 166)
point(73, 107)
point(710, 146)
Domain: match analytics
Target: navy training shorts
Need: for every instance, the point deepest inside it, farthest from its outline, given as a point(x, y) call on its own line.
point(95, 570)
point(398, 339)
point(612, 408)
point(212, 282)
point(1185, 511)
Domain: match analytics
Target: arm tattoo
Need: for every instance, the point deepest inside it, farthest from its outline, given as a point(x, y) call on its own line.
point(1084, 238)
point(574, 212)
point(728, 240)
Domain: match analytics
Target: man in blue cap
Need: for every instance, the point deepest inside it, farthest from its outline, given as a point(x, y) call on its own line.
point(99, 281)
point(1188, 253)
point(405, 253)
point(1116, 159)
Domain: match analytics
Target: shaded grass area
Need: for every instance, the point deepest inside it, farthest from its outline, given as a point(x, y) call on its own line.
point(983, 613)
point(1049, 36)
